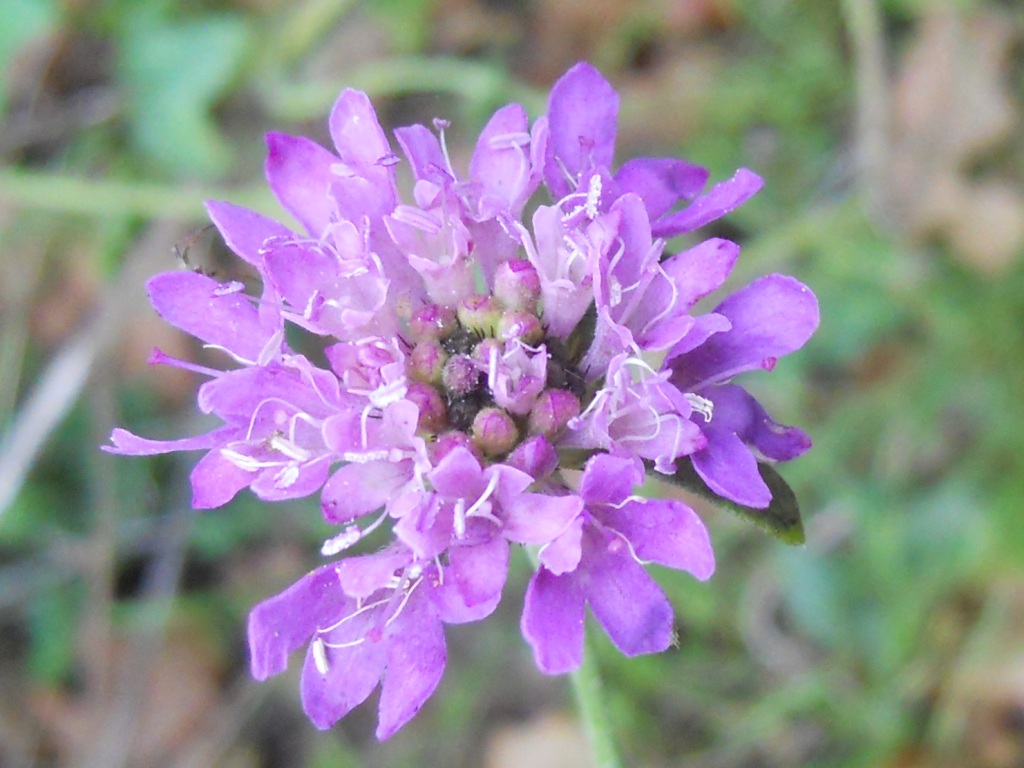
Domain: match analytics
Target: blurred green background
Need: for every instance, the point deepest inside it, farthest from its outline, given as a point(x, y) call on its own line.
point(891, 137)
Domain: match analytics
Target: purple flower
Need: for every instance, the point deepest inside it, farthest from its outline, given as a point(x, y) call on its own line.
point(598, 562)
point(470, 355)
point(751, 329)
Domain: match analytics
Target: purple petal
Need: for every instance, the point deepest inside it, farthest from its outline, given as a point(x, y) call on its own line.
point(240, 393)
point(362, 575)
point(215, 481)
point(358, 489)
point(415, 663)
point(702, 269)
point(245, 232)
point(730, 469)
point(582, 116)
point(290, 482)
point(501, 161)
point(609, 479)
point(423, 149)
point(359, 139)
point(735, 409)
point(535, 456)
point(479, 570)
point(666, 532)
point(771, 317)
point(720, 200)
point(198, 305)
point(285, 622)
point(536, 518)
point(552, 622)
point(701, 330)
point(127, 444)
point(563, 553)
point(300, 175)
point(353, 668)
point(627, 602)
point(660, 182)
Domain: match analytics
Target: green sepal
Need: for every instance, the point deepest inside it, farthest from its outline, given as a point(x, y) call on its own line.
point(781, 518)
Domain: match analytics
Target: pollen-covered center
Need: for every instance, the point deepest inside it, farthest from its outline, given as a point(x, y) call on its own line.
point(486, 374)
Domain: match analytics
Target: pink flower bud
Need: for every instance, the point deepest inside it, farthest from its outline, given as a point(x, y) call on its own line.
point(426, 362)
point(480, 313)
point(517, 285)
point(433, 414)
point(460, 375)
point(552, 411)
point(431, 321)
point(494, 432)
point(519, 324)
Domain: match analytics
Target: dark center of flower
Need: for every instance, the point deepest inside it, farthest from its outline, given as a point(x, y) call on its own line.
point(477, 374)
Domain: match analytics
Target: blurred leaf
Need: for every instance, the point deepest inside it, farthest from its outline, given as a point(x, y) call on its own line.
point(53, 616)
point(20, 22)
point(174, 72)
point(781, 517)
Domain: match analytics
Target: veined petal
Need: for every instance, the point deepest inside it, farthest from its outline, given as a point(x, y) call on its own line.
point(294, 481)
point(342, 672)
point(627, 602)
point(730, 469)
point(416, 656)
point(501, 162)
point(724, 197)
point(660, 182)
point(285, 622)
point(771, 317)
point(536, 518)
point(216, 480)
point(359, 139)
point(125, 443)
point(479, 570)
point(563, 553)
point(702, 269)
point(300, 176)
point(609, 479)
point(245, 231)
point(552, 623)
point(666, 532)
point(582, 121)
point(209, 311)
point(358, 489)
point(737, 410)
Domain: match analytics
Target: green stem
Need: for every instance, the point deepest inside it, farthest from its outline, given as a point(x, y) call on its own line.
point(586, 685)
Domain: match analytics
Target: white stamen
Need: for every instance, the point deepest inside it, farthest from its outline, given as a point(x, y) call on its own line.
point(226, 289)
point(701, 405)
point(593, 196)
point(459, 522)
point(342, 541)
point(287, 476)
point(478, 505)
point(320, 656)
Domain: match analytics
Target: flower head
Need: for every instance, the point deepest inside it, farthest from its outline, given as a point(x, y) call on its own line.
point(470, 357)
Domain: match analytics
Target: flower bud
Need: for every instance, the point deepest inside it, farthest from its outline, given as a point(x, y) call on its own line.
point(517, 285)
point(433, 414)
point(479, 313)
point(518, 324)
point(426, 362)
point(460, 375)
point(552, 411)
point(431, 321)
point(494, 432)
